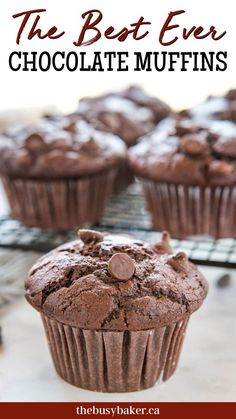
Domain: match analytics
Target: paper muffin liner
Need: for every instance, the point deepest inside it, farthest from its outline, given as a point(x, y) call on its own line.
point(61, 203)
point(123, 179)
point(192, 210)
point(110, 361)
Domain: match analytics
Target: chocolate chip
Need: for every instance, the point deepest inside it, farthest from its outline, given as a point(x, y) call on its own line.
point(182, 128)
point(71, 127)
point(165, 236)
point(58, 158)
point(35, 142)
point(224, 281)
point(225, 146)
point(48, 116)
point(179, 262)
point(193, 145)
point(220, 168)
point(24, 158)
point(228, 115)
point(231, 94)
point(111, 121)
point(121, 266)
point(90, 146)
point(184, 113)
point(163, 246)
point(89, 236)
point(212, 137)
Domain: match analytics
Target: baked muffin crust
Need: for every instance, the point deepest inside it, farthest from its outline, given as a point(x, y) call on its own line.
point(80, 285)
point(58, 147)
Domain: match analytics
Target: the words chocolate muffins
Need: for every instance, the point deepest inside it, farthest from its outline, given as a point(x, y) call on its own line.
point(58, 173)
point(115, 309)
point(189, 176)
point(130, 114)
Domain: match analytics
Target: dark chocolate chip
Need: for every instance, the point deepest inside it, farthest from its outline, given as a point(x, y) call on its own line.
point(71, 127)
point(193, 144)
point(179, 262)
point(231, 94)
point(163, 246)
point(224, 281)
point(24, 158)
point(90, 146)
point(228, 115)
point(35, 142)
point(182, 128)
point(89, 236)
point(111, 120)
point(184, 113)
point(220, 168)
point(121, 266)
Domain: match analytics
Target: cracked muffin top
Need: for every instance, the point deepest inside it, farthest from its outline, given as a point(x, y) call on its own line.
point(188, 153)
point(111, 282)
point(130, 113)
point(59, 146)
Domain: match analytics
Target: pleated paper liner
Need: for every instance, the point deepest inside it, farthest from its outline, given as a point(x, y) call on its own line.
point(110, 361)
point(61, 203)
point(192, 210)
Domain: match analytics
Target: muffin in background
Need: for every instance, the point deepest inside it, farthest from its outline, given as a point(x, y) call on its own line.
point(58, 173)
point(115, 309)
point(214, 108)
point(189, 176)
point(136, 94)
point(130, 114)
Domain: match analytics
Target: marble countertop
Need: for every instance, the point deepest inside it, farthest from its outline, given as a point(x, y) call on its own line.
point(206, 372)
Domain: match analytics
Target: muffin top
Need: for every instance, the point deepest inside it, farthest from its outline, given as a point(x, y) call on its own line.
point(58, 146)
point(159, 108)
point(184, 152)
point(112, 282)
point(129, 114)
point(215, 107)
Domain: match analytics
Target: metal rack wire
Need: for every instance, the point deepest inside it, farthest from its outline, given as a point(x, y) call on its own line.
point(125, 214)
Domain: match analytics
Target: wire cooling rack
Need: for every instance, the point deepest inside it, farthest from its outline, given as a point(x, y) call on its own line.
point(125, 214)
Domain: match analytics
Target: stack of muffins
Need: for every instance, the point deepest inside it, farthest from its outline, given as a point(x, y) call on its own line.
point(60, 172)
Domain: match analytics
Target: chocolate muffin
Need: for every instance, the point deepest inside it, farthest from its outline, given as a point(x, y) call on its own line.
point(59, 173)
point(136, 94)
point(215, 107)
point(115, 309)
point(189, 175)
point(130, 114)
